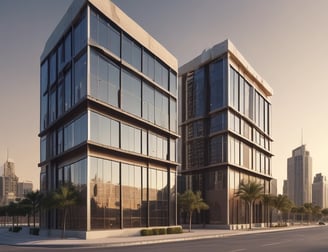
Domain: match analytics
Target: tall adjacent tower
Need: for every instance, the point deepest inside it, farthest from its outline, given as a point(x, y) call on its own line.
point(225, 132)
point(299, 176)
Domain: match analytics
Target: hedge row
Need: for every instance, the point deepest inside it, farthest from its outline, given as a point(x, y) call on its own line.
point(161, 231)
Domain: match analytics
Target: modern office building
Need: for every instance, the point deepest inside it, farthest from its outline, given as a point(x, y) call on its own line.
point(320, 191)
point(225, 133)
point(108, 121)
point(299, 176)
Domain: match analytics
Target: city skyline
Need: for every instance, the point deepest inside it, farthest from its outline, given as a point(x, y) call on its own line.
point(285, 44)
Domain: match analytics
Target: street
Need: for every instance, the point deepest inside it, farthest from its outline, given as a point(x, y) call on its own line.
point(299, 240)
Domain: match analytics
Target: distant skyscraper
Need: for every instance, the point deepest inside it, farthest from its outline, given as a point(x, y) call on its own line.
point(8, 189)
point(319, 191)
point(285, 185)
point(24, 188)
point(299, 176)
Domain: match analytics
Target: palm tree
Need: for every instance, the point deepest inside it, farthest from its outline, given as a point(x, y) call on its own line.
point(308, 210)
point(190, 201)
point(267, 200)
point(63, 198)
point(34, 199)
point(282, 204)
point(316, 211)
point(302, 211)
point(249, 192)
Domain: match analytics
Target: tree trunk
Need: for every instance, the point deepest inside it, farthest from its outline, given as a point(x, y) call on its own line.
point(250, 204)
point(64, 223)
point(33, 218)
point(190, 218)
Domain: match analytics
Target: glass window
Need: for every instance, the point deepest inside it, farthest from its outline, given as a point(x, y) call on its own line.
point(144, 142)
point(247, 88)
point(99, 129)
point(68, 47)
point(218, 122)
point(218, 149)
point(131, 52)
point(148, 65)
point(234, 89)
point(80, 83)
point(60, 99)
point(173, 115)
point(131, 93)
point(148, 102)
point(105, 34)
point(75, 132)
point(105, 193)
point(43, 148)
point(199, 97)
point(158, 197)
point(105, 79)
point(131, 195)
point(173, 83)
point(241, 95)
point(80, 35)
point(172, 150)
point(44, 77)
point(152, 144)
point(60, 140)
point(44, 112)
point(161, 109)
point(130, 138)
point(217, 85)
point(161, 74)
point(61, 56)
point(52, 106)
point(53, 68)
point(68, 91)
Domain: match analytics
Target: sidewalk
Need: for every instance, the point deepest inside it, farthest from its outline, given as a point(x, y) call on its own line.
point(23, 238)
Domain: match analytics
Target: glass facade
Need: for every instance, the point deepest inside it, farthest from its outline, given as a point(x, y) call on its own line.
point(108, 109)
point(225, 138)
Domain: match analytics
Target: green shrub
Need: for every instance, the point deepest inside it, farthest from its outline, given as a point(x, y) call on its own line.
point(15, 229)
point(34, 231)
point(145, 232)
point(174, 230)
point(159, 231)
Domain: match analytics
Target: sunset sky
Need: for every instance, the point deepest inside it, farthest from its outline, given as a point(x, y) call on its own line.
point(285, 41)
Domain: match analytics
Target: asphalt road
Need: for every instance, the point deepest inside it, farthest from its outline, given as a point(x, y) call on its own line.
point(299, 240)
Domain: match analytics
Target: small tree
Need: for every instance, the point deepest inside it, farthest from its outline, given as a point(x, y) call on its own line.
point(282, 204)
point(267, 200)
point(63, 198)
point(249, 192)
point(308, 210)
point(34, 199)
point(324, 212)
point(190, 201)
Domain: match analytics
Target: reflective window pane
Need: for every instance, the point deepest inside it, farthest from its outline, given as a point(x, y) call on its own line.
point(131, 52)
point(148, 102)
point(80, 83)
point(105, 79)
point(131, 93)
point(80, 35)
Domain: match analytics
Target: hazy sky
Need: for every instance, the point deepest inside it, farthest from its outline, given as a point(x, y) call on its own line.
point(286, 42)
